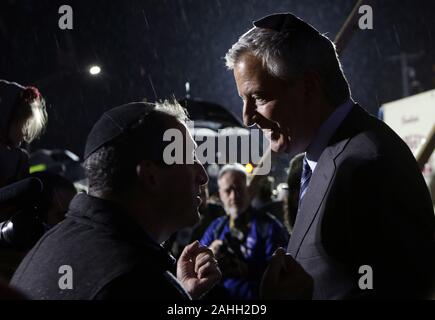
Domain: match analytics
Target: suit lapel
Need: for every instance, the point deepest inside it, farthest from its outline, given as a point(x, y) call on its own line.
point(317, 189)
point(321, 180)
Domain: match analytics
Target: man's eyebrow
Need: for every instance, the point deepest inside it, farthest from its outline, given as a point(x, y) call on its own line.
point(252, 91)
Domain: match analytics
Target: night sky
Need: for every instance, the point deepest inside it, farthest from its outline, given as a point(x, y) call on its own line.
point(148, 50)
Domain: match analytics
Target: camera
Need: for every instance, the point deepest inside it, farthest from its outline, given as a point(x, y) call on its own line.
point(23, 227)
point(232, 258)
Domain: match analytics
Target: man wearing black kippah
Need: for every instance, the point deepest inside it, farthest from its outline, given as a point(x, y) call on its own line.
point(365, 223)
point(108, 247)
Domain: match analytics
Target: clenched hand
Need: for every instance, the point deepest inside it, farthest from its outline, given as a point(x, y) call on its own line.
point(197, 270)
point(285, 279)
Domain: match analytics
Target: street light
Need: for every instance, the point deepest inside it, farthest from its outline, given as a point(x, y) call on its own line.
point(94, 70)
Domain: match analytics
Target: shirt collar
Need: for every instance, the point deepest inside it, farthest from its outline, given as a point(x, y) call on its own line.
point(325, 133)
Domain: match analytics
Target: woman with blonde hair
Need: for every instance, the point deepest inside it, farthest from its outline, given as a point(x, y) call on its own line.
point(23, 118)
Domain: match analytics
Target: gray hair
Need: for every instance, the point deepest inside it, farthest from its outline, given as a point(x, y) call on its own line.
point(234, 167)
point(287, 54)
point(173, 108)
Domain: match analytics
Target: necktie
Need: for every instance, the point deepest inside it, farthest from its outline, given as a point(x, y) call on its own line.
point(305, 179)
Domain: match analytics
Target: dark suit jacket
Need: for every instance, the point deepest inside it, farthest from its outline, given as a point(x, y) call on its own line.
point(366, 204)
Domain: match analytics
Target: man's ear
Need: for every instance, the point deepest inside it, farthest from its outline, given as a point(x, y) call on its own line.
point(148, 174)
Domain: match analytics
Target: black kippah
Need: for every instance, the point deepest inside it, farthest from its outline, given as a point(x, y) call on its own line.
point(114, 123)
point(284, 22)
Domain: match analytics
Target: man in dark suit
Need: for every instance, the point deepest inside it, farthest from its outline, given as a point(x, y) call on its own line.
point(365, 224)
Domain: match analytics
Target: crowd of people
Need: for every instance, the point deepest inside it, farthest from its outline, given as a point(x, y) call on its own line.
point(355, 198)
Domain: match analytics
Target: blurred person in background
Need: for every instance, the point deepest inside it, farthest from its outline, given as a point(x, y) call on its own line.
point(32, 216)
point(264, 201)
point(244, 239)
point(56, 197)
point(23, 119)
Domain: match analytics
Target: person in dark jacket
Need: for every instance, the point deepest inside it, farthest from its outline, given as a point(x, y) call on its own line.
point(23, 118)
point(108, 247)
point(244, 239)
